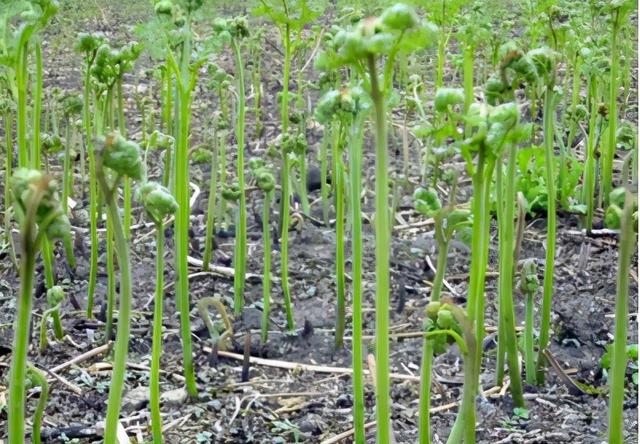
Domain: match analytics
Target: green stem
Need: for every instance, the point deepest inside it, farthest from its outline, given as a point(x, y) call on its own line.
point(93, 191)
point(66, 178)
point(284, 199)
point(355, 163)
point(506, 279)
point(529, 355)
point(324, 187)
point(589, 175)
point(16, 410)
point(284, 244)
point(124, 316)
point(338, 169)
point(545, 324)
point(156, 348)
point(167, 106)
point(424, 420)
point(266, 274)
point(500, 352)
point(39, 379)
point(182, 229)
point(241, 232)
point(37, 110)
point(619, 361)
point(383, 245)
point(111, 283)
point(424, 427)
point(8, 172)
point(609, 153)
point(21, 82)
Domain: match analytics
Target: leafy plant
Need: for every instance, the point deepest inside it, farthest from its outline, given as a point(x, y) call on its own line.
point(41, 216)
point(397, 29)
point(158, 203)
point(123, 158)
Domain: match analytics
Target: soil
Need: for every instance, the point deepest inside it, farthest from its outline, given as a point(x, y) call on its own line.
point(284, 406)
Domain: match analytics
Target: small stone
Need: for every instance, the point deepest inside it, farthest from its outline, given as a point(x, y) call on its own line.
point(135, 399)
point(174, 397)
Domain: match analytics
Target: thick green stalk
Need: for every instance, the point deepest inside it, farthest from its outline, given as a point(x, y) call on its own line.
point(475, 301)
point(211, 206)
point(619, 360)
point(355, 170)
point(284, 244)
point(22, 334)
point(111, 282)
point(47, 261)
point(241, 232)
point(464, 429)
point(383, 245)
point(480, 282)
point(93, 189)
point(506, 279)
point(8, 171)
point(124, 319)
point(338, 169)
point(156, 347)
point(167, 127)
point(21, 82)
point(182, 236)
point(324, 187)
point(266, 273)
point(37, 111)
point(500, 352)
point(609, 153)
point(284, 186)
point(424, 412)
point(545, 324)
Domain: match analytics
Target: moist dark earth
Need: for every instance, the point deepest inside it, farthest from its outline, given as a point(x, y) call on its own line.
point(279, 405)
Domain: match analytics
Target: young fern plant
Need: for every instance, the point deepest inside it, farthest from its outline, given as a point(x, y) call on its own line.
point(544, 60)
point(173, 27)
point(266, 182)
point(492, 128)
point(447, 323)
point(233, 31)
point(158, 203)
point(40, 214)
point(290, 16)
point(334, 111)
point(123, 158)
point(87, 45)
point(355, 182)
point(55, 297)
point(398, 29)
point(447, 220)
point(36, 378)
